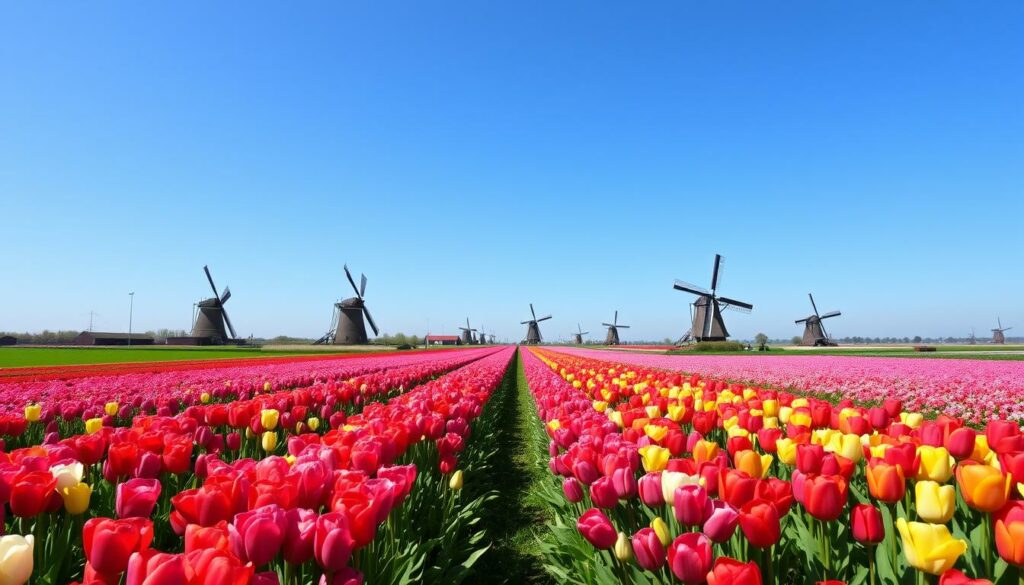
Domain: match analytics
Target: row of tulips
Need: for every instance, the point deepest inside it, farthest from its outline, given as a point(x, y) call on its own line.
point(284, 487)
point(973, 390)
point(337, 388)
point(162, 386)
point(682, 479)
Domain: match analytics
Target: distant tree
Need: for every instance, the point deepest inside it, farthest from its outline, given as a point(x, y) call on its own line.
point(667, 341)
point(399, 339)
point(761, 341)
point(917, 339)
point(797, 340)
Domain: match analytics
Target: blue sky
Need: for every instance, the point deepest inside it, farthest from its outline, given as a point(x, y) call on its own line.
point(474, 157)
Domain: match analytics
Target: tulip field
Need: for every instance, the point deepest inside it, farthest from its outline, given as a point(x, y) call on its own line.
point(638, 469)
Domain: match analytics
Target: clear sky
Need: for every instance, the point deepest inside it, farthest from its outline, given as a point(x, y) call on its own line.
point(472, 157)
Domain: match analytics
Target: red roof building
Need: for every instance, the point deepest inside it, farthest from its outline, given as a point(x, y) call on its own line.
point(443, 340)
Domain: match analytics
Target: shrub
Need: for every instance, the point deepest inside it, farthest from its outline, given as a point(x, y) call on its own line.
point(718, 346)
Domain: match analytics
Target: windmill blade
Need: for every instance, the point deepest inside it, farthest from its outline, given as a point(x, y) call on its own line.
point(804, 320)
point(543, 318)
point(690, 288)
point(1008, 328)
point(622, 326)
point(814, 306)
point(607, 324)
point(616, 319)
point(832, 314)
point(373, 325)
point(714, 275)
point(228, 322)
point(525, 322)
point(532, 313)
point(206, 269)
point(735, 303)
point(225, 295)
point(351, 281)
point(584, 332)
point(362, 285)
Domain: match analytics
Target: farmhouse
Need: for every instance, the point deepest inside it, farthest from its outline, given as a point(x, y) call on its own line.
point(443, 340)
point(101, 338)
point(8, 340)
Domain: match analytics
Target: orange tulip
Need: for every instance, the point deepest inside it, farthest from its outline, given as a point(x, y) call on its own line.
point(984, 487)
point(886, 482)
point(1009, 529)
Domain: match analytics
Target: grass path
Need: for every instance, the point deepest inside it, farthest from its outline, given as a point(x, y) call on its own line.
point(517, 516)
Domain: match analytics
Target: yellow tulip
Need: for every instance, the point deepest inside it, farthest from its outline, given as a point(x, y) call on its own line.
point(661, 529)
point(800, 402)
point(912, 419)
point(455, 482)
point(676, 412)
point(935, 503)
point(785, 448)
point(771, 422)
point(655, 432)
point(600, 405)
point(266, 386)
point(16, 558)
point(936, 464)
point(248, 433)
point(93, 424)
point(623, 551)
point(269, 441)
point(654, 458)
point(269, 418)
point(784, 413)
point(846, 445)
point(752, 463)
point(800, 418)
point(204, 398)
point(313, 423)
point(110, 408)
point(76, 499)
point(770, 407)
point(33, 412)
point(554, 424)
point(616, 417)
point(652, 410)
point(929, 547)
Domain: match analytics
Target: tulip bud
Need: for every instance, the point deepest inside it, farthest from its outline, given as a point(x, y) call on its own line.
point(455, 482)
point(269, 441)
point(204, 398)
point(33, 412)
point(866, 524)
point(76, 498)
point(93, 424)
point(313, 423)
point(234, 442)
point(623, 551)
point(661, 530)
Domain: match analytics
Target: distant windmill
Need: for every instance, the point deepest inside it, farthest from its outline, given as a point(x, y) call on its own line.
point(707, 309)
point(347, 327)
point(997, 334)
point(613, 330)
point(972, 340)
point(211, 317)
point(533, 336)
point(579, 334)
point(467, 333)
point(814, 329)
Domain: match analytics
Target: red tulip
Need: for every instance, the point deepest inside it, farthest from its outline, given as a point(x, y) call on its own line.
point(332, 543)
point(152, 567)
point(137, 497)
point(346, 576)
point(759, 520)
point(602, 493)
point(824, 496)
point(597, 529)
point(650, 553)
point(721, 523)
point(809, 458)
point(110, 543)
point(204, 537)
point(217, 567)
point(1004, 436)
point(31, 493)
point(736, 487)
point(205, 506)
point(866, 524)
point(256, 536)
point(960, 442)
point(689, 557)
point(729, 571)
point(572, 489)
point(955, 577)
point(300, 533)
point(649, 488)
point(776, 491)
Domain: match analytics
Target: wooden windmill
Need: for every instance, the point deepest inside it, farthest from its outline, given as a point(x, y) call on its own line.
point(579, 334)
point(211, 317)
point(997, 333)
point(814, 329)
point(706, 312)
point(613, 330)
point(533, 336)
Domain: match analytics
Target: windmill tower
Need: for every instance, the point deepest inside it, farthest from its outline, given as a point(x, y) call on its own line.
point(997, 334)
point(467, 333)
point(706, 311)
point(613, 330)
point(579, 334)
point(972, 340)
point(814, 329)
point(533, 336)
point(211, 317)
point(347, 327)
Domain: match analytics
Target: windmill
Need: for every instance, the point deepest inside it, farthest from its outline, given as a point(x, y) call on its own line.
point(972, 340)
point(533, 336)
point(613, 330)
point(347, 327)
point(707, 309)
point(814, 329)
point(997, 334)
point(467, 333)
point(211, 316)
point(579, 334)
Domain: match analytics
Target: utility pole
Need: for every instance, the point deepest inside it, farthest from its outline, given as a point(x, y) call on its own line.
point(131, 308)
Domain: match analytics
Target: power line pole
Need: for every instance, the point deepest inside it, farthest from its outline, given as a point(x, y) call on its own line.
point(131, 308)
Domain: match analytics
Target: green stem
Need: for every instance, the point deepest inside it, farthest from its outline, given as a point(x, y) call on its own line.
point(871, 564)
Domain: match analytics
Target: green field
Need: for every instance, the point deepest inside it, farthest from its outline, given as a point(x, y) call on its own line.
point(14, 357)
